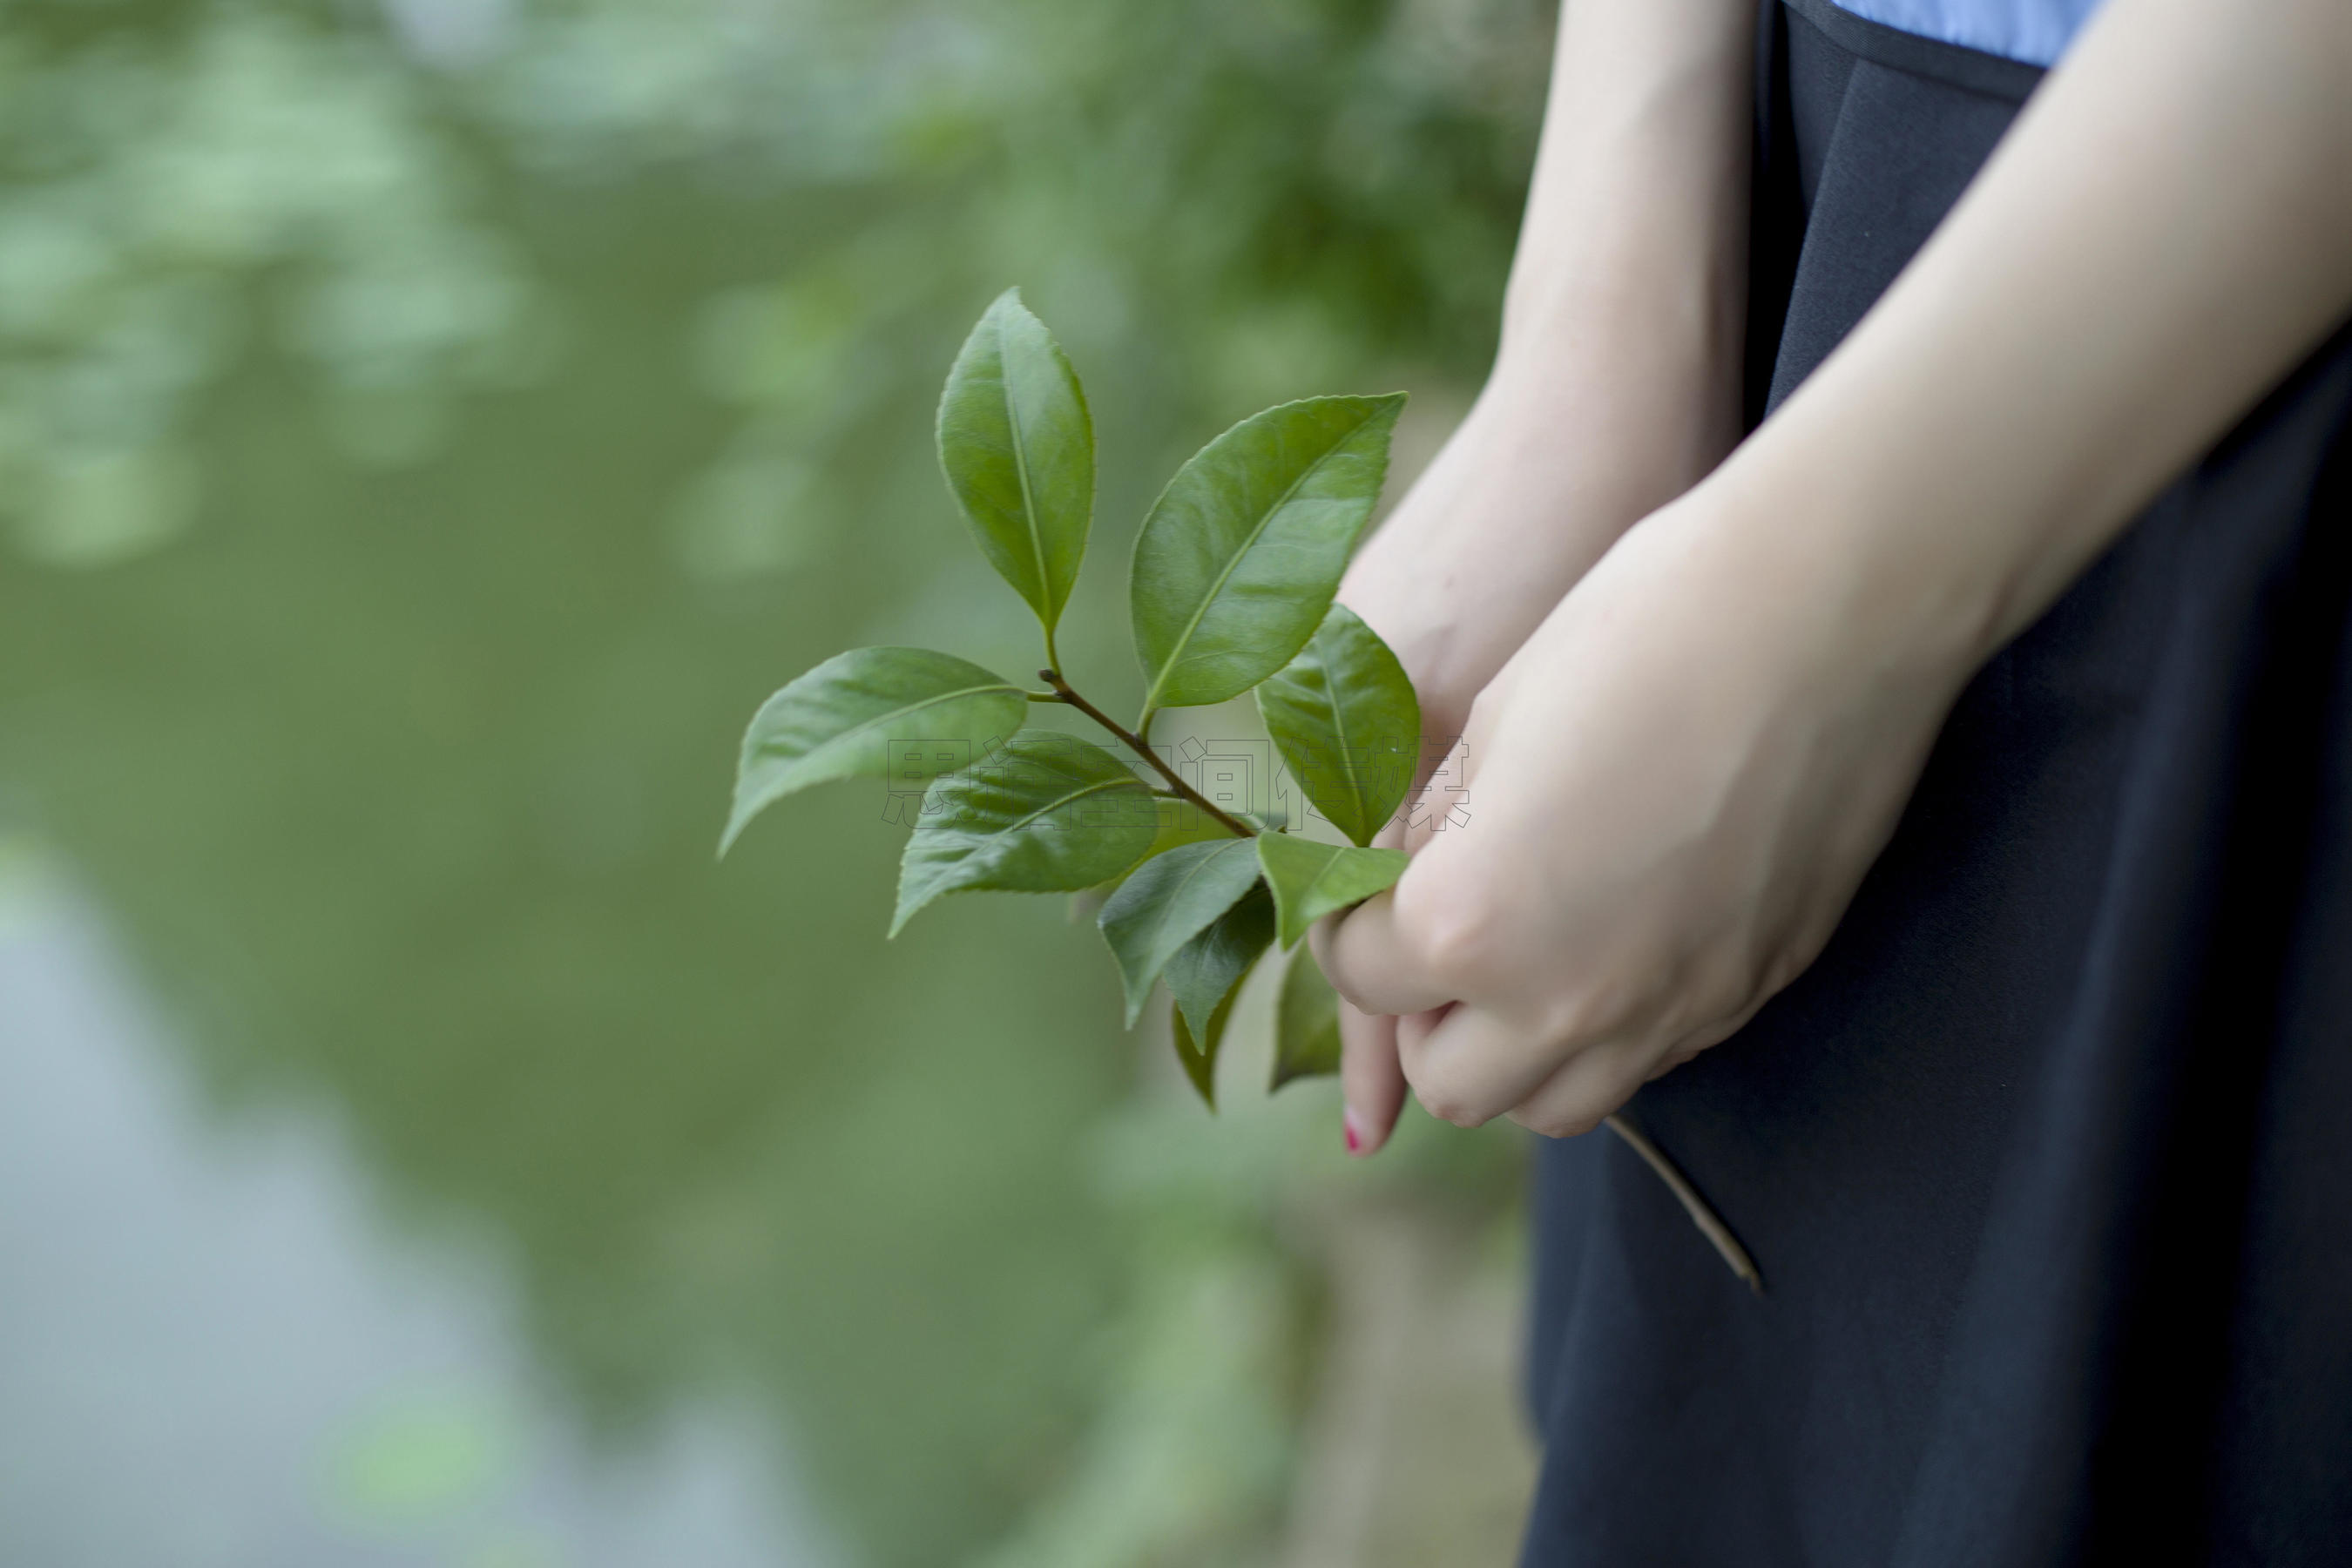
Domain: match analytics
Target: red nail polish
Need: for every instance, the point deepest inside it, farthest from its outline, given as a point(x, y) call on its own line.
point(1353, 1132)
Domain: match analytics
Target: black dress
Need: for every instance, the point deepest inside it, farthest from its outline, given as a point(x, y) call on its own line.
point(2047, 1162)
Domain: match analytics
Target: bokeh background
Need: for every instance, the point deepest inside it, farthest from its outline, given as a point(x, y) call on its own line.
point(428, 429)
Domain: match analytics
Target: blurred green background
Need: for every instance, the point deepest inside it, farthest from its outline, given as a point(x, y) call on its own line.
point(428, 429)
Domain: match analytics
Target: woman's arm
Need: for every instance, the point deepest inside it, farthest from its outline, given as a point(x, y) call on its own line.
point(2167, 230)
point(1615, 387)
point(1683, 775)
point(1616, 382)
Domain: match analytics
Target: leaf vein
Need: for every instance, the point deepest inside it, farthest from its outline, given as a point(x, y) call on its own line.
point(864, 725)
point(1340, 730)
point(1151, 698)
point(1048, 609)
point(1060, 801)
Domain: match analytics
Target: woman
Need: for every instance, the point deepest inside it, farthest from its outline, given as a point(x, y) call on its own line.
point(1962, 761)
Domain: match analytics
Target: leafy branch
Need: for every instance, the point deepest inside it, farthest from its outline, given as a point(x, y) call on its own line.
point(1064, 692)
point(1230, 590)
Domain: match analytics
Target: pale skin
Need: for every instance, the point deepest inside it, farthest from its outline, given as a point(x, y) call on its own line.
point(1697, 690)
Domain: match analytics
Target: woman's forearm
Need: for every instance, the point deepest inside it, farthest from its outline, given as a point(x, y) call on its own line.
point(1622, 323)
point(1616, 383)
point(2165, 233)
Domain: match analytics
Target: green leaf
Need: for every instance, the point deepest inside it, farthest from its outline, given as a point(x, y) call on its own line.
point(1206, 969)
point(1181, 822)
point(903, 713)
point(1199, 1055)
point(1168, 901)
point(1019, 451)
point(1243, 549)
point(1348, 725)
point(1046, 813)
point(1206, 976)
point(1306, 1024)
point(1311, 879)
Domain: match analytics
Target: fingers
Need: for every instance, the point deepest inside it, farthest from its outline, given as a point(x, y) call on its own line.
point(1371, 1080)
point(1414, 1028)
point(1603, 1077)
point(1585, 1089)
point(1473, 1066)
point(1378, 967)
point(1373, 966)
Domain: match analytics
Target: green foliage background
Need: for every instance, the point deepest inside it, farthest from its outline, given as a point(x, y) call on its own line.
point(426, 431)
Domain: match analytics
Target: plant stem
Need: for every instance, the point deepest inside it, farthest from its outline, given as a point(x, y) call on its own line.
point(1063, 692)
point(1709, 1225)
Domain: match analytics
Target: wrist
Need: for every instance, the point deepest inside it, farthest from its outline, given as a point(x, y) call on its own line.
point(1626, 387)
point(1851, 576)
point(1543, 476)
point(1502, 523)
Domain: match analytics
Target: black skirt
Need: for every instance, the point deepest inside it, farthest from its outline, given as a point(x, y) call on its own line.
point(2047, 1162)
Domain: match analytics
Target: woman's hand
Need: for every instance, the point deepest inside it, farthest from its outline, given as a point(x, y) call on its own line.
point(1615, 387)
point(1479, 551)
point(1675, 787)
point(1682, 777)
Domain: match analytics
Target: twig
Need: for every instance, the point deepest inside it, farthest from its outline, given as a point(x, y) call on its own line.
point(1709, 1226)
point(1063, 691)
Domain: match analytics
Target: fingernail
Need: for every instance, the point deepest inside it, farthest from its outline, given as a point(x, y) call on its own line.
point(1353, 1130)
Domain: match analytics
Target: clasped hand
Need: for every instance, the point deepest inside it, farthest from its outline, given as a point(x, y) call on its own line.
point(1674, 789)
